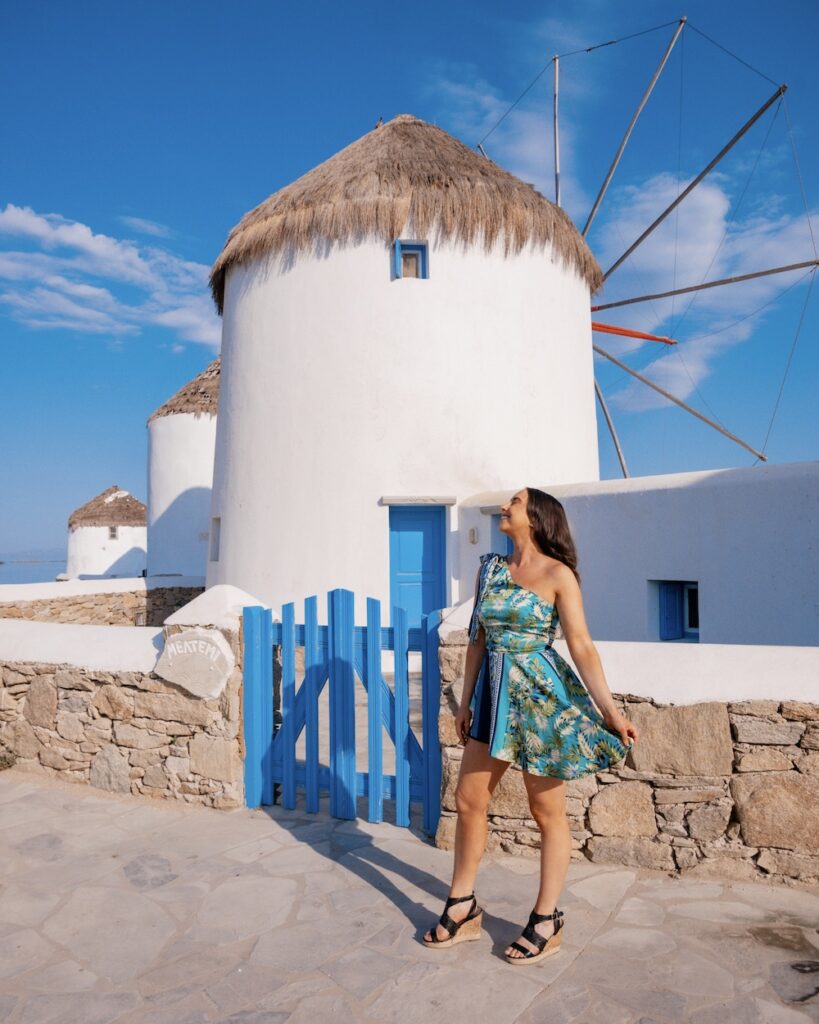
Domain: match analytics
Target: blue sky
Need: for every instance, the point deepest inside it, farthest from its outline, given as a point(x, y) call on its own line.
point(138, 134)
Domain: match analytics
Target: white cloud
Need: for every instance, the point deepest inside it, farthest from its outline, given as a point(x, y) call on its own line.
point(73, 279)
point(147, 227)
point(701, 241)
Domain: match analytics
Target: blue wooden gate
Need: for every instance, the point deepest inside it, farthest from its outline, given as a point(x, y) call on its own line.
point(338, 654)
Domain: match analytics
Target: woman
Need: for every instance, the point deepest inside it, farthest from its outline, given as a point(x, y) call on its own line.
point(530, 709)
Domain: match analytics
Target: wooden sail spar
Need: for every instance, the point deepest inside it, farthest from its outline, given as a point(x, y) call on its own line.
point(678, 401)
point(650, 88)
point(628, 332)
point(708, 284)
point(703, 173)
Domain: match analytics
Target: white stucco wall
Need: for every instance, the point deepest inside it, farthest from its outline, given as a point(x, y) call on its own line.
point(92, 553)
point(748, 537)
point(340, 386)
point(180, 474)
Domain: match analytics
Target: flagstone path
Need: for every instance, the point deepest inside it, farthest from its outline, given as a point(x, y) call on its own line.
point(145, 912)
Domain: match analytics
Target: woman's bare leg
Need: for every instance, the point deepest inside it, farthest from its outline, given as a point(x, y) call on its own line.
point(479, 775)
point(547, 801)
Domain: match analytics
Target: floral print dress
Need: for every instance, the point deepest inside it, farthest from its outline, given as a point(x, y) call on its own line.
point(529, 705)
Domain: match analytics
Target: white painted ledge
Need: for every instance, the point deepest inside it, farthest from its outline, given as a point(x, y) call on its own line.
point(678, 673)
point(221, 606)
point(689, 673)
point(80, 588)
point(106, 648)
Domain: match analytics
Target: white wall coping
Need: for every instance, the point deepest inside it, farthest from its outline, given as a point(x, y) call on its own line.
point(489, 502)
point(105, 648)
point(689, 673)
point(431, 499)
point(220, 605)
point(14, 592)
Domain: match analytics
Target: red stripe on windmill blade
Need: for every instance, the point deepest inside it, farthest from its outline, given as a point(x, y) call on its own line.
point(627, 332)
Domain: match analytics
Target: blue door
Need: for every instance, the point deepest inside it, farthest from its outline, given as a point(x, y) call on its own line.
point(418, 559)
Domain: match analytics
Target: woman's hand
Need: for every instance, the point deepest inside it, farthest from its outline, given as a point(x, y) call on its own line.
point(463, 719)
point(617, 723)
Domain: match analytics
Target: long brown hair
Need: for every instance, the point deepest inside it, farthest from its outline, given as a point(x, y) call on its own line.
point(551, 528)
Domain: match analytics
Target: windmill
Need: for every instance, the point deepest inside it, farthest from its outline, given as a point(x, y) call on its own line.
point(599, 327)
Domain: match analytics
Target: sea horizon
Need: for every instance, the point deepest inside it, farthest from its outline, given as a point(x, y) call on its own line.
point(34, 566)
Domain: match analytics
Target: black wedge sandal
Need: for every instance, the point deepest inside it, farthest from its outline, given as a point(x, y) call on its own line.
point(545, 946)
point(467, 930)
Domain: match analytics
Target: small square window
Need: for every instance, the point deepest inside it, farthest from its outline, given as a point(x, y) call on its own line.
point(112, 533)
point(409, 264)
point(679, 610)
point(410, 259)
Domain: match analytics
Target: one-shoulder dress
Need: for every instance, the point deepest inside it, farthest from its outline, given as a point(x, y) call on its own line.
point(529, 705)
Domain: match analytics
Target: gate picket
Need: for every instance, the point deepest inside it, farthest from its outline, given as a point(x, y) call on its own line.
point(430, 709)
point(401, 734)
point(342, 705)
point(373, 683)
point(288, 733)
point(312, 667)
point(258, 705)
point(335, 654)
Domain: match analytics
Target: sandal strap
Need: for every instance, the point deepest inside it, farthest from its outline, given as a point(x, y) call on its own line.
point(538, 918)
point(446, 922)
point(535, 938)
point(458, 899)
point(527, 953)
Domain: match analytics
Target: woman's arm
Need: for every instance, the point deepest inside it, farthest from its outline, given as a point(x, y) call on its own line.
point(584, 654)
point(474, 658)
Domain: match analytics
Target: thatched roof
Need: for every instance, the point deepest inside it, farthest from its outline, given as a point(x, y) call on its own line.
point(199, 396)
point(406, 175)
point(114, 507)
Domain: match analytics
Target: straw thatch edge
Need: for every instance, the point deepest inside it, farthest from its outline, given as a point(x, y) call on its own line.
point(406, 174)
point(125, 510)
point(199, 396)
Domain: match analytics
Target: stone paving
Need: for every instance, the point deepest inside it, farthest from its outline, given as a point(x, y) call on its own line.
point(116, 908)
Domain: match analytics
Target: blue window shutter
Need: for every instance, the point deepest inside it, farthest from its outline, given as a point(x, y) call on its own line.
point(671, 611)
point(397, 257)
point(424, 262)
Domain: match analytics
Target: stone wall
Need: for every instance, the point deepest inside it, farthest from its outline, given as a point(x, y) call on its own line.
point(129, 732)
point(125, 608)
point(712, 789)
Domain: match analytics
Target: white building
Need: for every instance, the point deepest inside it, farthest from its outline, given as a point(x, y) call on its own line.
point(405, 325)
point(107, 536)
point(181, 437)
point(720, 557)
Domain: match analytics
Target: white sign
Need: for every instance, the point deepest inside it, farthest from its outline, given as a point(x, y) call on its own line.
point(200, 660)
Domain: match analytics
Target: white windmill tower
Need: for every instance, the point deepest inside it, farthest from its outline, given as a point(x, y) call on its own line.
point(389, 322)
point(181, 437)
point(106, 536)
